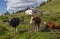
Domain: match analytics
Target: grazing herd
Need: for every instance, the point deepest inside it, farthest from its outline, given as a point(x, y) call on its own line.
point(35, 20)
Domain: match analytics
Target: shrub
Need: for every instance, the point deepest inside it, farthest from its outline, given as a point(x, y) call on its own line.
point(7, 13)
point(49, 1)
point(43, 3)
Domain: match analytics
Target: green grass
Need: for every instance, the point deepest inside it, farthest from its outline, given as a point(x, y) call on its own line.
point(53, 6)
point(22, 28)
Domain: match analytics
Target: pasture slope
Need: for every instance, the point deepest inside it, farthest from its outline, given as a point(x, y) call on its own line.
point(53, 6)
point(6, 31)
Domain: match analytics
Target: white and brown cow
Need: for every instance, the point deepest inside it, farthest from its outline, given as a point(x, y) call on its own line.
point(35, 20)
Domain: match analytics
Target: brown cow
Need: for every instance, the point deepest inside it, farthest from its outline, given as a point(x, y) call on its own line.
point(36, 20)
point(52, 25)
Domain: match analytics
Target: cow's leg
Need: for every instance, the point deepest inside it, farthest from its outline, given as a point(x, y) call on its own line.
point(37, 28)
point(34, 24)
point(15, 31)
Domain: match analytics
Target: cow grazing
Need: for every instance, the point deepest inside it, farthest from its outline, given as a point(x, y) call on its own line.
point(14, 22)
point(52, 25)
point(36, 20)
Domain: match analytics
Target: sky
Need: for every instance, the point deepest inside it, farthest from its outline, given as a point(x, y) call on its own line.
point(15, 5)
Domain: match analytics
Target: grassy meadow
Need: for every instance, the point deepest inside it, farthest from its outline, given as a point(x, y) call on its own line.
point(6, 31)
point(52, 13)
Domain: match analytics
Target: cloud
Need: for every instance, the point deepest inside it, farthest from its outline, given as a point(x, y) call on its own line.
point(14, 5)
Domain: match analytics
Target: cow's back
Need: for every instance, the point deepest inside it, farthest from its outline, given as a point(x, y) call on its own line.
point(14, 22)
point(37, 20)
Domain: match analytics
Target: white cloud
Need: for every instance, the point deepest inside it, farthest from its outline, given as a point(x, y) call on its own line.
point(22, 4)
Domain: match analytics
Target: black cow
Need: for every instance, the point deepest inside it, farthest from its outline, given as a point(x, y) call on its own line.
point(14, 22)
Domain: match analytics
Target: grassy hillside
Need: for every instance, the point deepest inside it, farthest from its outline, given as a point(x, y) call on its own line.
point(6, 31)
point(53, 6)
